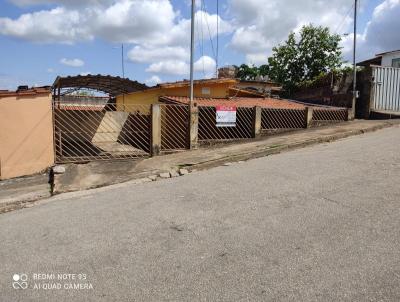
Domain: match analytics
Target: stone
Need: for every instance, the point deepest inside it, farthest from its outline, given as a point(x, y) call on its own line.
point(174, 173)
point(227, 164)
point(165, 175)
point(183, 172)
point(153, 177)
point(59, 169)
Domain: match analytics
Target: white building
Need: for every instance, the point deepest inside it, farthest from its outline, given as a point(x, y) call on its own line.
point(386, 59)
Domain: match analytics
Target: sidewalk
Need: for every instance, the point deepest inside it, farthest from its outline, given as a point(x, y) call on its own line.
point(20, 192)
point(97, 174)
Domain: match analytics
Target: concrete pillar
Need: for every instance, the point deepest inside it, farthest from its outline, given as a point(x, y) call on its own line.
point(194, 127)
point(309, 115)
point(155, 147)
point(257, 112)
point(350, 114)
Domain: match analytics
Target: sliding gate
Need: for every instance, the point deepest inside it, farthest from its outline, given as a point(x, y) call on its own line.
point(87, 131)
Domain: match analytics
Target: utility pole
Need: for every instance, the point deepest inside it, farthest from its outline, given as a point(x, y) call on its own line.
point(216, 57)
point(193, 110)
point(192, 55)
point(353, 106)
point(122, 60)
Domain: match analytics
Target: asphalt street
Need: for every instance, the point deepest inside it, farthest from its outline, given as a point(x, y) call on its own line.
point(316, 224)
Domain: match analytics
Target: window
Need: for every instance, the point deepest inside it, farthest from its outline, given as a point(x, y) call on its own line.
point(205, 90)
point(396, 63)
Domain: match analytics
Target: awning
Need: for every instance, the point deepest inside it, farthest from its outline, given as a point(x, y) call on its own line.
point(112, 85)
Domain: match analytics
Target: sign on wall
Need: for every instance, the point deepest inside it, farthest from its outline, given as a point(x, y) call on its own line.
point(226, 116)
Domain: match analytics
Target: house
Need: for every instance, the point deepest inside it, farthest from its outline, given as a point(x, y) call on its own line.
point(223, 88)
point(385, 59)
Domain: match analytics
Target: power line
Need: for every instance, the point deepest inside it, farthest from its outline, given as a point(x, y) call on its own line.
point(208, 27)
point(339, 27)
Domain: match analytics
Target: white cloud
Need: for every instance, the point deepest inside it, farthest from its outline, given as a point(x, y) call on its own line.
point(72, 62)
point(158, 33)
point(172, 67)
point(55, 25)
point(153, 80)
point(380, 34)
point(206, 65)
point(260, 25)
point(24, 3)
point(85, 73)
point(142, 54)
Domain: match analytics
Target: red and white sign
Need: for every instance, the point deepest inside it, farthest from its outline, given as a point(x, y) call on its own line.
point(226, 116)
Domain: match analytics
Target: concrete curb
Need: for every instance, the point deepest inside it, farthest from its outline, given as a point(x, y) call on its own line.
point(287, 147)
point(154, 175)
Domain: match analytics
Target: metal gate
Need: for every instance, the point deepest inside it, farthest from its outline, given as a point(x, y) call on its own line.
point(386, 89)
point(88, 131)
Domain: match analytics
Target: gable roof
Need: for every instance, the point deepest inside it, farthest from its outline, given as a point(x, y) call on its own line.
point(387, 52)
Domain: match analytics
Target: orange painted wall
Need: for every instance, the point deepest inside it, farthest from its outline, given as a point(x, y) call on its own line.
point(26, 135)
point(151, 96)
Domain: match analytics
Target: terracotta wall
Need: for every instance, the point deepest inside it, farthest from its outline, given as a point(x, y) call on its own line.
point(26, 135)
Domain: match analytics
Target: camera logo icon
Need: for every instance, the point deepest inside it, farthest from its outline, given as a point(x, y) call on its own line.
point(20, 281)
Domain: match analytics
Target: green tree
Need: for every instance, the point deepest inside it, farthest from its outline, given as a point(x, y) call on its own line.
point(317, 51)
point(248, 73)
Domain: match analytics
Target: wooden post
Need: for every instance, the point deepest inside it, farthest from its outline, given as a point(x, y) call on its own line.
point(309, 115)
point(257, 112)
point(194, 127)
point(155, 147)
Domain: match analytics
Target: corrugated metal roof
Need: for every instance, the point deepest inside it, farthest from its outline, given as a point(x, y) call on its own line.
point(112, 85)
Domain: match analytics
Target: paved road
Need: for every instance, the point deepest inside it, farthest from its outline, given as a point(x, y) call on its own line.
point(317, 224)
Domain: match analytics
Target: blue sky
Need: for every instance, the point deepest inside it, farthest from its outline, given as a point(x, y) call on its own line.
point(41, 39)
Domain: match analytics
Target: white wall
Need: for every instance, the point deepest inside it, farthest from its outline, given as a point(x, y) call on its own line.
point(387, 58)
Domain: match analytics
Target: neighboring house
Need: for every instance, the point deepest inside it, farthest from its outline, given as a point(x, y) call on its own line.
point(385, 59)
point(26, 131)
point(209, 88)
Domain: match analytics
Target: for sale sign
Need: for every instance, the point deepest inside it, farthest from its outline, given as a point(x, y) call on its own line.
point(226, 116)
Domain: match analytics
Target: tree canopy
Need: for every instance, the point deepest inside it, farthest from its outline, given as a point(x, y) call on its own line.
point(248, 73)
point(301, 58)
point(316, 51)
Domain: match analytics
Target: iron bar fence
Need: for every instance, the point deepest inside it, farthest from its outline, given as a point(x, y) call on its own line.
point(94, 130)
point(174, 127)
point(323, 116)
point(84, 131)
point(209, 131)
point(276, 120)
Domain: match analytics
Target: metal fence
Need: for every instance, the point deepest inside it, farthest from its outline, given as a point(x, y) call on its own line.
point(275, 119)
point(327, 116)
point(386, 92)
point(209, 131)
point(87, 131)
point(174, 127)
